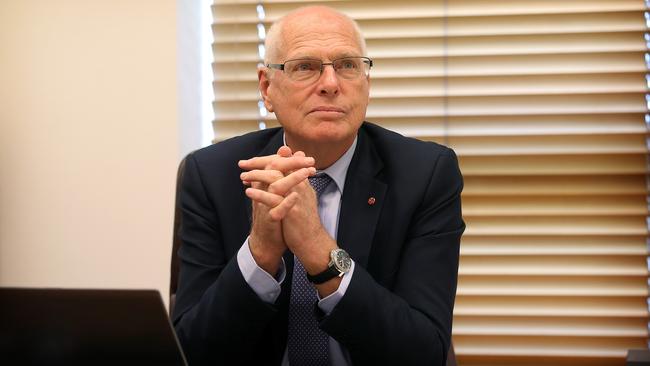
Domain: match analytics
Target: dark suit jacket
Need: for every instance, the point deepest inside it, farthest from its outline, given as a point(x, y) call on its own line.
point(398, 307)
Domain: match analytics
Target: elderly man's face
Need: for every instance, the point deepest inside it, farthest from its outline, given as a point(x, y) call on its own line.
point(329, 109)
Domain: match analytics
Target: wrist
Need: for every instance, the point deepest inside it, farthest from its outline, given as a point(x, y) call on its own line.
point(339, 264)
point(264, 257)
point(317, 258)
point(327, 288)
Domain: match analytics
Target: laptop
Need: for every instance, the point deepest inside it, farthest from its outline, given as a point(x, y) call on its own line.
point(50, 326)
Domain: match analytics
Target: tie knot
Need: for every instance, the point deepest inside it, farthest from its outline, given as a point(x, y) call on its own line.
point(319, 183)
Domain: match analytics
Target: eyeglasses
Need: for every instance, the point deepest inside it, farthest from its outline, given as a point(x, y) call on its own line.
point(309, 70)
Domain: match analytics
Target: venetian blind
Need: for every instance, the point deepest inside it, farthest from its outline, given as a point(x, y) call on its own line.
point(545, 103)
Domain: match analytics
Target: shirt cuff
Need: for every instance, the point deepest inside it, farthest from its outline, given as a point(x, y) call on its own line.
point(328, 303)
point(263, 284)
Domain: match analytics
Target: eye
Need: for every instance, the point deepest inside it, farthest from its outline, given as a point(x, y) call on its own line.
point(348, 64)
point(302, 66)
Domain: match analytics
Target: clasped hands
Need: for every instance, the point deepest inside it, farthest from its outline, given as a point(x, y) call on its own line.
point(285, 211)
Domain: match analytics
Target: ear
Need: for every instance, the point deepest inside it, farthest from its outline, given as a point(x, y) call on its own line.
point(368, 88)
point(263, 84)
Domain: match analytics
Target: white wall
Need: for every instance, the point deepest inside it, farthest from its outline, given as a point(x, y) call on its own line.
point(88, 142)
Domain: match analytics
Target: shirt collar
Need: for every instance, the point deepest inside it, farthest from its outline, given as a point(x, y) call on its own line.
point(339, 169)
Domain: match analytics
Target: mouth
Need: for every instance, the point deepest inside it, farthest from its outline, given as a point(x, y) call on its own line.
point(325, 109)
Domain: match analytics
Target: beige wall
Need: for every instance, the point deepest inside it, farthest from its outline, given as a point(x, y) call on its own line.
point(88, 142)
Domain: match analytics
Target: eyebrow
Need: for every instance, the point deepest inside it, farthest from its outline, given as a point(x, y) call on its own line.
point(300, 57)
point(347, 55)
point(339, 56)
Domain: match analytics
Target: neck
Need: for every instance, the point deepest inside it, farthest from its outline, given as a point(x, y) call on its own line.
point(325, 153)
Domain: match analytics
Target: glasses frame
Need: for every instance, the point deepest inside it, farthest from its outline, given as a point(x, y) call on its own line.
point(366, 60)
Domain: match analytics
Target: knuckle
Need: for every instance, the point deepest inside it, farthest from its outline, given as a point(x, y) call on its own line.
point(274, 188)
point(275, 164)
point(275, 215)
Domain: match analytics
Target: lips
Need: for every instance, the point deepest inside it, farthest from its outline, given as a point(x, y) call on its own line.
point(327, 109)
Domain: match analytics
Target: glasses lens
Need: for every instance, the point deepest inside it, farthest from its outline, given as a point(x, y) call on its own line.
point(301, 70)
point(351, 68)
point(310, 70)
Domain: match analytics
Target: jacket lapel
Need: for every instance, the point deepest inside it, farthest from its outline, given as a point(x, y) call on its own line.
point(362, 201)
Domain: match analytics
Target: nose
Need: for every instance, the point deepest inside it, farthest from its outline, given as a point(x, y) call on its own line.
point(329, 81)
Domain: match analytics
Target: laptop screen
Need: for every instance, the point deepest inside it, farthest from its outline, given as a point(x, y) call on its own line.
point(90, 327)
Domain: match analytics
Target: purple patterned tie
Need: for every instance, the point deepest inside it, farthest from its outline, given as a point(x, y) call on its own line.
point(307, 344)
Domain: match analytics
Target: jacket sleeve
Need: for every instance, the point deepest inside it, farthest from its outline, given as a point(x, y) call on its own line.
point(410, 323)
point(216, 314)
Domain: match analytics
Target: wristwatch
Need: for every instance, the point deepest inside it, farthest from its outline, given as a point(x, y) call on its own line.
point(339, 265)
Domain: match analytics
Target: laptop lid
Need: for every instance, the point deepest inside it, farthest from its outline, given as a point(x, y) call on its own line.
point(49, 326)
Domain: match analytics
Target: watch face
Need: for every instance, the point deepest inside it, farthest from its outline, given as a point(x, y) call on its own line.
point(341, 260)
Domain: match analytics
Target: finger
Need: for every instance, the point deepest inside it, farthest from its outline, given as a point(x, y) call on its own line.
point(276, 162)
point(263, 176)
point(268, 199)
point(291, 163)
point(258, 162)
point(282, 186)
point(278, 212)
point(284, 151)
point(299, 153)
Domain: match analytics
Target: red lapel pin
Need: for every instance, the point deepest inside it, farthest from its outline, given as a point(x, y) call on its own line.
point(371, 201)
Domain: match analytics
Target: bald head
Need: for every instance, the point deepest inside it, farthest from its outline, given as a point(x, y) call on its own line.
point(275, 38)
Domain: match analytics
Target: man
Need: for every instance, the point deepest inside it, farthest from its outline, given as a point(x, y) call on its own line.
point(328, 241)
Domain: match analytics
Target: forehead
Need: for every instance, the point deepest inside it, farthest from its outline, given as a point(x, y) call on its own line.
point(325, 36)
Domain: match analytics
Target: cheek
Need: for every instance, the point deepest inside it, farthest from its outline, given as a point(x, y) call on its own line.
point(362, 101)
point(286, 107)
point(289, 97)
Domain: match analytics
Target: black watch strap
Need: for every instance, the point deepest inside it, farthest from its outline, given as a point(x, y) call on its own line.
point(324, 276)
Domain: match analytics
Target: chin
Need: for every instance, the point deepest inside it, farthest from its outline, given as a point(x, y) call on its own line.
point(333, 133)
point(327, 131)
